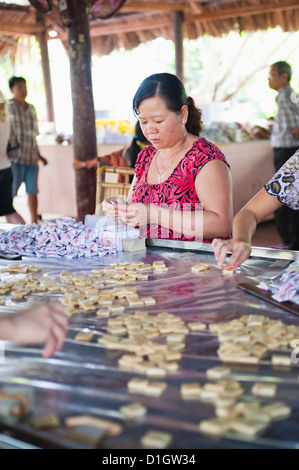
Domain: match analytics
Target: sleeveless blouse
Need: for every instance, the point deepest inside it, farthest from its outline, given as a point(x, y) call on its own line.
point(178, 191)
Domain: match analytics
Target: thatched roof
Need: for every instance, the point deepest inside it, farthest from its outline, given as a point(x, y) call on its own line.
point(140, 21)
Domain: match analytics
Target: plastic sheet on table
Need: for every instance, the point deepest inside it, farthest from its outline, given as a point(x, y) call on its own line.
point(85, 379)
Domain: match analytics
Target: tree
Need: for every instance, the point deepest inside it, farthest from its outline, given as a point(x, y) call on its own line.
point(228, 68)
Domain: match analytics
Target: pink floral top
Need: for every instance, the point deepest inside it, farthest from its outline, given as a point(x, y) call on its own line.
point(178, 191)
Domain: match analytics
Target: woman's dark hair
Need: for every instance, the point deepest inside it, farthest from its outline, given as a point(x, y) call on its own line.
point(169, 88)
point(139, 134)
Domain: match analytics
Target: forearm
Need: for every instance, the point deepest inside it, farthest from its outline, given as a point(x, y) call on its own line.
point(296, 132)
point(88, 164)
point(41, 158)
point(38, 151)
point(6, 329)
point(244, 225)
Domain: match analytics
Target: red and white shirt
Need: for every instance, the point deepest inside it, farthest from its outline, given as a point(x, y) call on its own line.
point(178, 191)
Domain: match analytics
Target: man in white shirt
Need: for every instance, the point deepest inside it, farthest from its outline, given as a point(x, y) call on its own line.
point(6, 206)
point(285, 142)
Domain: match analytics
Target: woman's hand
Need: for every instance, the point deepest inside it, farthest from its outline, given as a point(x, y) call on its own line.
point(77, 164)
point(112, 206)
point(135, 215)
point(88, 164)
point(39, 324)
point(296, 132)
point(43, 160)
point(240, 252)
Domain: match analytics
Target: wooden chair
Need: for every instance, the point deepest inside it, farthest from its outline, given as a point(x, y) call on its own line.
point(106, 189)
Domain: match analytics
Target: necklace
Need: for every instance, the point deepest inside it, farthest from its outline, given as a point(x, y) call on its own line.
point(160, 173)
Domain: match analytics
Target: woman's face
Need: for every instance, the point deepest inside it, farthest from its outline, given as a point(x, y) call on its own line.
point(163, 128)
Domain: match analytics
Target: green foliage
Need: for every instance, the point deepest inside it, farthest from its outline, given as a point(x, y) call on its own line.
point(234, 67)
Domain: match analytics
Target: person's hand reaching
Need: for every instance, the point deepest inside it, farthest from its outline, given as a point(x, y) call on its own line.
point(239, 250)
point(40, 324)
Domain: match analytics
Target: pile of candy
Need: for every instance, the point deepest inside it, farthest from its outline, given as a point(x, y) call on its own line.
point(285, 289)
point(63, 238)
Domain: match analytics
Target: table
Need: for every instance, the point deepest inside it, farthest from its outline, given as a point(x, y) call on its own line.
point(84, 378)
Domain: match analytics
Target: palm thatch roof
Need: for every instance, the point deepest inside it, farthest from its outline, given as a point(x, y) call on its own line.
point(140, 21)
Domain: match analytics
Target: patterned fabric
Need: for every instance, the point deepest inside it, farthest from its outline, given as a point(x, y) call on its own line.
point(285, 183)
point(25, 126)
point(178, 191)
point(286, 119)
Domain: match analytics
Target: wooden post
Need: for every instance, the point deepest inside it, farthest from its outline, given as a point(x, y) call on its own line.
point(177, 22)
point(47, 76)
point(41, 37)
point(84, 131)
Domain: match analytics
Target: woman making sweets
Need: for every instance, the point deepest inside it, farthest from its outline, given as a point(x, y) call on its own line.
point(182, 186)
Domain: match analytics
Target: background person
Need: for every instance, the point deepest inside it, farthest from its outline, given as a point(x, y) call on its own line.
point(6, 206)
point(285, 142)
point(178, 173)
point(24, 160)
point(125, 157)
point(282, 189)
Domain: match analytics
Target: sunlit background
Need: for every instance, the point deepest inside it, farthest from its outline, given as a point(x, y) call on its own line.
point(227, 76)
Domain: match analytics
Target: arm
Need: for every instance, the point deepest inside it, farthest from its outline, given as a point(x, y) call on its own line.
point(79, 164)
point(112, 208)
point(130, 193)
point(111, 159)
point(42, 159)
point(296, 132)
point(214, 217)
point(41, 324)
point(36, 133)
point(214, 188)
point(244, 227)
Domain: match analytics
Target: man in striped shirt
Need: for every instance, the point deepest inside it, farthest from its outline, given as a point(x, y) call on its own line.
point(24, 160)
point(285, 142)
